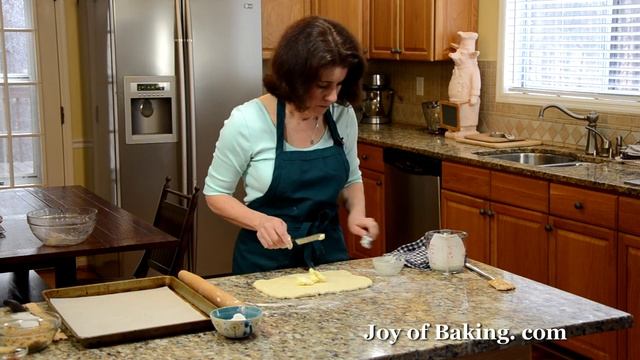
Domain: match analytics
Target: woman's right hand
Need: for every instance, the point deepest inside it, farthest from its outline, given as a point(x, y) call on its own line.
point(272, 233)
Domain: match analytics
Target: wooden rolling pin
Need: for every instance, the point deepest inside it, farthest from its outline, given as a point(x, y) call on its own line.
point(217, 296)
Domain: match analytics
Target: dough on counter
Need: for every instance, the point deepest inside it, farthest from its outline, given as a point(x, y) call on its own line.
point(287, 287)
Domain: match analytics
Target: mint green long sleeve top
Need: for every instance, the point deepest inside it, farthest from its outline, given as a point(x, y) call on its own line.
point(246, 149)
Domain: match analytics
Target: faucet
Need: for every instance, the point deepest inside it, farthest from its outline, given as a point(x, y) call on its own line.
point(591, 147)
point(604, 149)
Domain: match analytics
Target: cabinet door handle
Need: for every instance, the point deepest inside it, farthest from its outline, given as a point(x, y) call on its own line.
point(379, 182)
point(364, 157)
point(578, 205)
point(483, 212)
point(490, 213)
point(548, 228)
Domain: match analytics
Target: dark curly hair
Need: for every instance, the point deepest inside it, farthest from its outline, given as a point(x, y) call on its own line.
point(307, 47)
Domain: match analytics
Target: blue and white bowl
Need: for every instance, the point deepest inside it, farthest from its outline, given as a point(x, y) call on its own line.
point(228, 322)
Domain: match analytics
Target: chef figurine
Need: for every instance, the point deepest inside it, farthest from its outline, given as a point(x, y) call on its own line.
point(464, 87)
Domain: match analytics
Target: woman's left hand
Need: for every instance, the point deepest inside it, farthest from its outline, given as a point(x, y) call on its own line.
point(361, 226)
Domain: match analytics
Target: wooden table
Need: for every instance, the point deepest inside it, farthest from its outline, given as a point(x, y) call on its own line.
point(116, 230)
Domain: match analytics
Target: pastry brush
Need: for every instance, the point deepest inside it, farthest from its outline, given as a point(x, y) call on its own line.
point(498, 283)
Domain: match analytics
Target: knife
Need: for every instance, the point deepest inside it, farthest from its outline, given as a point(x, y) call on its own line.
point(310, 238)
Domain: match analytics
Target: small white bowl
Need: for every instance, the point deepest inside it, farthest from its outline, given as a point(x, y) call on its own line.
point(388, 265)
point(236, 321)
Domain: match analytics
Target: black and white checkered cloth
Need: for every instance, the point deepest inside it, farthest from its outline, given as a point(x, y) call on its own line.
point(415, 253)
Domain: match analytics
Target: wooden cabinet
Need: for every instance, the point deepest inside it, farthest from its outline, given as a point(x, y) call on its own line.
point(628, 270)
point(463, 212)
point(583, 262)
point(520, 241)
point(583, 255)
point(466, 179)
point(583, 205)
point(353, 14)
point(629, 209)
point(509, 237)
point(557, 234)
point(418, 29)
point(373, 181)
point(520, 225)
point(276, 16)
point(629, 284)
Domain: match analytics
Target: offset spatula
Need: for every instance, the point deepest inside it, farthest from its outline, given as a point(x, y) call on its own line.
point(310, 238)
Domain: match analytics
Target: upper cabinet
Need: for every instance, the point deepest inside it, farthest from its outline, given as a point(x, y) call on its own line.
point(418, 29)
point(353, 14)
point(387, 29)
point(276, 16)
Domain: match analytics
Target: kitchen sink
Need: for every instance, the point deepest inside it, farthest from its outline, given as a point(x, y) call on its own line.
point(546, 159)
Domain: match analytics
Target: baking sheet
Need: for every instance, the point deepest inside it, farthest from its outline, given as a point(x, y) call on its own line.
point(130, 310)
point(109, 314)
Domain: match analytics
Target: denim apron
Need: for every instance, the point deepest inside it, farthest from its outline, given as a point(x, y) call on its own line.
point(303, 193)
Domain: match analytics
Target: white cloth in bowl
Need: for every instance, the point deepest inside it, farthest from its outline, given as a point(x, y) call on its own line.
point(631, 152)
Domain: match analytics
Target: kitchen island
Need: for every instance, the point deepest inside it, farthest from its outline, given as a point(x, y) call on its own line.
point(337, 325)
point(544, 223)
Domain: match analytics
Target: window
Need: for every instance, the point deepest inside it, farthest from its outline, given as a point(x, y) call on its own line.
point(23, 127)
point(571, 51)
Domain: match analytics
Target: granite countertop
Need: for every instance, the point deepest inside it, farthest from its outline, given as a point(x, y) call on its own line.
point(335, 325)
point(602, 174)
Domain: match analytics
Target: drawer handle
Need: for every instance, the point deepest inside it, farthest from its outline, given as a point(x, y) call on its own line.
point(548, 228)
point(578, 205)
point(365, 157)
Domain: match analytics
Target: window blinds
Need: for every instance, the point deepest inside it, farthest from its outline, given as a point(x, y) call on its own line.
point(585, 49)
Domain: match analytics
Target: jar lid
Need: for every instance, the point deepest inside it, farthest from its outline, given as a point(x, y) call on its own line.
point(431, 104)
point(378, 80)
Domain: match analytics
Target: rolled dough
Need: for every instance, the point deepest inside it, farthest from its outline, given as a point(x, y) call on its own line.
point(286, 287)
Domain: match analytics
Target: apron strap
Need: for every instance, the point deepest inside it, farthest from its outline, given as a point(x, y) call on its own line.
point(333, 128)
point(280, 116)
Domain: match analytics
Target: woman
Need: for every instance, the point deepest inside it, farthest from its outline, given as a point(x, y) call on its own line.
point(295, 150)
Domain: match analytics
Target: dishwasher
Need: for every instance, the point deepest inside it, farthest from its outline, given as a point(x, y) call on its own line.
point(412, 196)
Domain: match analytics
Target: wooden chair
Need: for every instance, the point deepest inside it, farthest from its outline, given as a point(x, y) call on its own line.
point(176, 218)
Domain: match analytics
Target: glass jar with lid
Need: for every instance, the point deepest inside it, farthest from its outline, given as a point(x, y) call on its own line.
point(431, 112)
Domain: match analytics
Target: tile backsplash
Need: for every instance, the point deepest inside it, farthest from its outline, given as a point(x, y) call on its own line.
point(517, 119)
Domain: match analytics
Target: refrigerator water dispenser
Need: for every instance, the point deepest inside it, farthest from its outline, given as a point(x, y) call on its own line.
point(150, 109)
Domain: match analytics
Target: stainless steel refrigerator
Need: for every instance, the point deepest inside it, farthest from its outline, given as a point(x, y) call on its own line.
point(161, 76)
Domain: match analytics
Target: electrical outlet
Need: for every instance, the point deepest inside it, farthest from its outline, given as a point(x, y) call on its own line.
point(419, 86)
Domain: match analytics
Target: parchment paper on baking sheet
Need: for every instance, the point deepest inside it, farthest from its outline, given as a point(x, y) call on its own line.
point(91, 316)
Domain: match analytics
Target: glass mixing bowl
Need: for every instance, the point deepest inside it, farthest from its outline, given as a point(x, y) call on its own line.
point(32, 332)
point(62, 227)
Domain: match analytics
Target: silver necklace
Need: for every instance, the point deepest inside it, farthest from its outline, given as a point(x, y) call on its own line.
point(313, 134)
